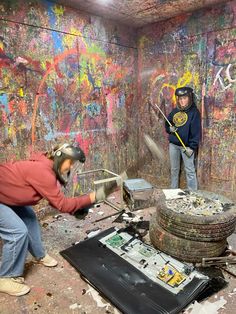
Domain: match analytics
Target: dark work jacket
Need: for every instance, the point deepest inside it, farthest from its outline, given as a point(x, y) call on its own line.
point(188, 123)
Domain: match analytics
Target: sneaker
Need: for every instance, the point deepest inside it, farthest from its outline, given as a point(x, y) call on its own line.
point(47, 261)
point(13, 286)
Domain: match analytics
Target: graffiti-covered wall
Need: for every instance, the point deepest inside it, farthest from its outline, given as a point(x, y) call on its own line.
point(66, 76)
point(199, 50)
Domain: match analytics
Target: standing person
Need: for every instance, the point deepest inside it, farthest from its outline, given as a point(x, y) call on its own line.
point(185, 120)
point(23, 184)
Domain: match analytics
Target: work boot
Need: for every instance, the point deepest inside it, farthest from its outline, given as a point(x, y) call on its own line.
point(47, 261)
point(13, 286)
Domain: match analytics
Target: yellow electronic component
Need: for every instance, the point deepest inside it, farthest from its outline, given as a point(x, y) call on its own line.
point(171, 276)
point(176, 280)
point(166, 273)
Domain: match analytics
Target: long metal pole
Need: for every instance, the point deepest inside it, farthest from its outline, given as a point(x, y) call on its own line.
point(164, 116)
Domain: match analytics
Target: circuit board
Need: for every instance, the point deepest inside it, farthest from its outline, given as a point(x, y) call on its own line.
point(158, 266)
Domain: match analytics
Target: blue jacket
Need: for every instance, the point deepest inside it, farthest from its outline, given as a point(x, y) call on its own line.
point(188, 123)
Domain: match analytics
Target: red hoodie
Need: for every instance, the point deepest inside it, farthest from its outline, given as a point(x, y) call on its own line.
point(26, 182)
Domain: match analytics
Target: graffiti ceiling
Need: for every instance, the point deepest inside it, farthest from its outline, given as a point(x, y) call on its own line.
point(138, 12)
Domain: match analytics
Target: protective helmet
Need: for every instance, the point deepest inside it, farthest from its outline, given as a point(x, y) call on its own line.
point(66, 151)
point(185, 91)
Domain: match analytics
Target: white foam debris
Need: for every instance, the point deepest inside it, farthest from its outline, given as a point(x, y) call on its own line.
point(100, 213)
point(93, 233)
point(206, 307)
point(111, 198)
point(74, 306)
point(90, 210)
point(173, 193)
point(97, 298)
point(233, 292)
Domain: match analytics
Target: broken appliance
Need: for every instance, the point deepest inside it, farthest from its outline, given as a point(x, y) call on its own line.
point(137, 194)
point(134, 276)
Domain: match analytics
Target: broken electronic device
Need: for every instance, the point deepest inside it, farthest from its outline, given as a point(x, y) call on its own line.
point(137, 193)
point(134, 276)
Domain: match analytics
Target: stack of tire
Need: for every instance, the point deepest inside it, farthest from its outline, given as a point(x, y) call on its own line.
point(192, 237)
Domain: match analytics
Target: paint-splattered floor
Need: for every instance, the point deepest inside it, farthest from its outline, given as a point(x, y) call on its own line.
point(61, 289)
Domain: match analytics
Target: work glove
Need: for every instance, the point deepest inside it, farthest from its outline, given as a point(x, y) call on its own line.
point(173, 129)
point(188, 152)
point(107, 188)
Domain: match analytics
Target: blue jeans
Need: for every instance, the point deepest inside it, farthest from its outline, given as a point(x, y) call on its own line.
point(20, 232)
point(176, 152)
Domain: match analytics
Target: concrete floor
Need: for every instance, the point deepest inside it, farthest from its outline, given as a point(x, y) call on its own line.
point(61, 289)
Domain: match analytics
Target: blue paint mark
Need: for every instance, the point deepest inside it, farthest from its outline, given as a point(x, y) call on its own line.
point(52, 94)
point(108, 82)
point(57, 39)
point(93, 109)
point(121, 101)
point(50, 135)
point(90, 78)
point(4, 102)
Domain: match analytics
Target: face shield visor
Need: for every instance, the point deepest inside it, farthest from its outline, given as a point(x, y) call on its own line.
point(184, 91)
point(66, 151)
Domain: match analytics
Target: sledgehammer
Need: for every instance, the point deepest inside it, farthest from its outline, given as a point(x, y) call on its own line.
point(186, 151)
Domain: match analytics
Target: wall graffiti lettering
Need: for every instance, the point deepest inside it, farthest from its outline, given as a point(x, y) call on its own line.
point(224, 78)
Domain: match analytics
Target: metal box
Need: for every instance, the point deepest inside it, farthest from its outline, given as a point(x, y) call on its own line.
point(137, 193)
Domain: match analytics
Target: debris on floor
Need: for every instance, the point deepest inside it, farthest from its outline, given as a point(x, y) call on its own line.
point(97, 298)
point(206, 307)
point(62, 290)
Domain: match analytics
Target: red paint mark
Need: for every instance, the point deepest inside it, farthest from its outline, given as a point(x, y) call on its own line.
point(3, 115)
point(51, 68)
point(41, 85)
point(84, 143)
point(23, 107)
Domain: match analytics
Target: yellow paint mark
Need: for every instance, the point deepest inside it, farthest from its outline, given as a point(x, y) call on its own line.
point(84, 78)
point(58, 10)
point(6, 80)
point(185, 79)
point(70, 40)
point(196, 79)
point(21, 92)
point(143, 41)
point(43, 65)
point(76, 32)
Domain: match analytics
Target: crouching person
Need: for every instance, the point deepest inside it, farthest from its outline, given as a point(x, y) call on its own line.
point(23, 184)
